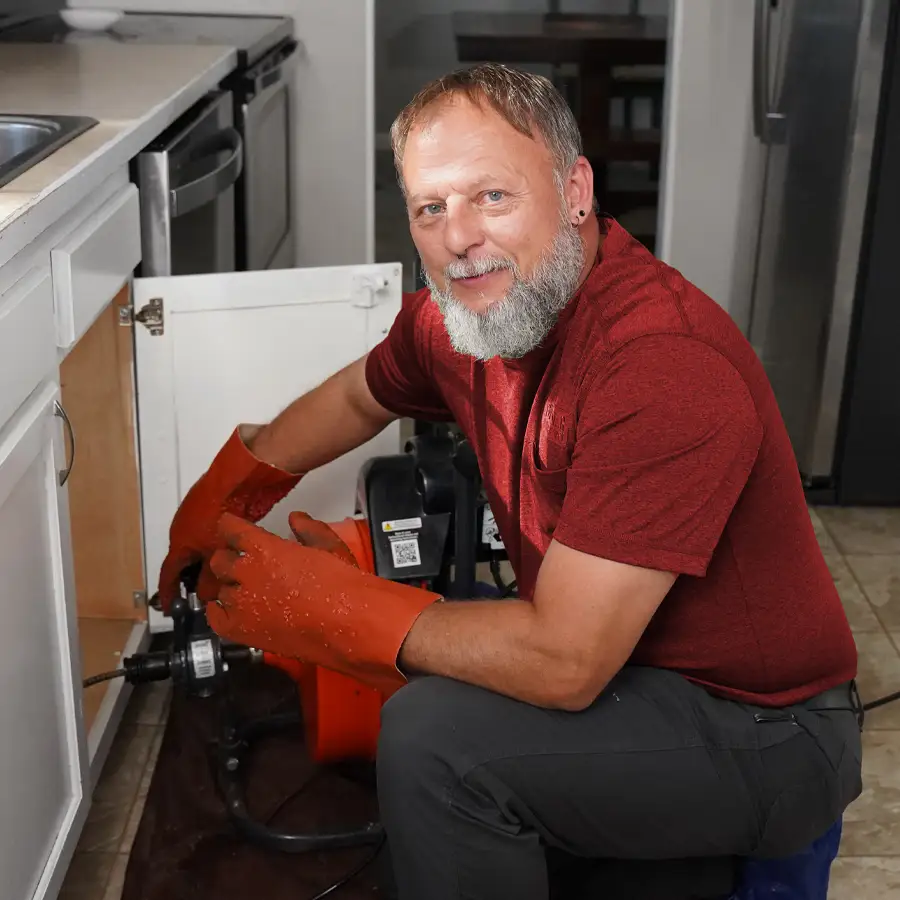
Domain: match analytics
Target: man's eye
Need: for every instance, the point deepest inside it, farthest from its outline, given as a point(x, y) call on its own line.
point(431, 209)
point(494, 196)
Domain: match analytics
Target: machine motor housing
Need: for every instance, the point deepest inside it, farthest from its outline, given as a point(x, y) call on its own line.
point(428, 518)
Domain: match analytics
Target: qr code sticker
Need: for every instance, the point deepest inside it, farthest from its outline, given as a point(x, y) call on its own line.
point(406, 553)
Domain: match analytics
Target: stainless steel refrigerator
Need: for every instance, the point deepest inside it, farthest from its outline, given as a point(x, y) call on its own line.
point(821, 78)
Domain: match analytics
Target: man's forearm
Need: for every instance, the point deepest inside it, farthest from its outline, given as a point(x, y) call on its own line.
point(332, 419)
point(501, 645)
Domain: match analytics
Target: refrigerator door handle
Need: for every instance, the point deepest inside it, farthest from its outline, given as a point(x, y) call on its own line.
point(768, 126)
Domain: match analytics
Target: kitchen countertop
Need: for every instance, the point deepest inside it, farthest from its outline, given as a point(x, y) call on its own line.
point(134, 90)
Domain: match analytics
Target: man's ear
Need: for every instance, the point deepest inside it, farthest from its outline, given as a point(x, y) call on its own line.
point(580, 189)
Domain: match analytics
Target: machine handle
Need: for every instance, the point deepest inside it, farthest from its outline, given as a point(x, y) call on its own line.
point(207, 187)
point(58, 411)
point(768, 126)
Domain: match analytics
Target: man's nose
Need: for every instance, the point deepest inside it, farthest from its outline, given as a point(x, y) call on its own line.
point(463, 229)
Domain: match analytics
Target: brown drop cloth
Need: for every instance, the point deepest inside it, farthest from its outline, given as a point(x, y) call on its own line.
point(185, 845)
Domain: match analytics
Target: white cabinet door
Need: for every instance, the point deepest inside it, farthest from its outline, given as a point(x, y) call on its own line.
point(43, 751)
point(239, 347)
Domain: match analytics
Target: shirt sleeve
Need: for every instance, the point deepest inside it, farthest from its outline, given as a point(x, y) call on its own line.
point(666, 437)
point(399, 370)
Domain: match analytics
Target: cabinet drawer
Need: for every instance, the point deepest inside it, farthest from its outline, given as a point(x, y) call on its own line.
point(93, 262)
point(27, 339)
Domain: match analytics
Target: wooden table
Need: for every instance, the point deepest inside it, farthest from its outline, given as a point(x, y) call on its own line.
point(593, 42)
point(596, 45)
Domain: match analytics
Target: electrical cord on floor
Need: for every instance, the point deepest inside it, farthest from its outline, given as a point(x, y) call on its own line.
point(881, 701)
point(353, 873)
point(290, 798)
point(103, 676)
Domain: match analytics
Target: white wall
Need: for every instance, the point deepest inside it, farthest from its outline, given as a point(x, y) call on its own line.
point(712, 164)
point(415, 41)
point(334, 204)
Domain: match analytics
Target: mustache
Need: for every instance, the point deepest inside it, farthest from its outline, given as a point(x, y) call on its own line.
point(472, 268)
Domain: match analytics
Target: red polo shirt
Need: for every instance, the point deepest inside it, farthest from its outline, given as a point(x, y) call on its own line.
point(644, 430)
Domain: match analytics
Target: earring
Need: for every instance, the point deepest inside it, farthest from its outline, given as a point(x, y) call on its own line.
point(581, 212)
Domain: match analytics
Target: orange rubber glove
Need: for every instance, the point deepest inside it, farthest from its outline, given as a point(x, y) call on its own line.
point(236, 482)
point(302, 602)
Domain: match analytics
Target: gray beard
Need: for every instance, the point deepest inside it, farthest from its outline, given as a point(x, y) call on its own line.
point(521, 320)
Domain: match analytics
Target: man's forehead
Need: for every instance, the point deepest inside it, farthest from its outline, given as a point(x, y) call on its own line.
point(463, 146)
point(458, 117)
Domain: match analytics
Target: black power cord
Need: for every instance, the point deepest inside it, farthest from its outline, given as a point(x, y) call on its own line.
point(354, 872)
point(372, 856)
point(103, 676)
point(290, 798)
point(882, 701)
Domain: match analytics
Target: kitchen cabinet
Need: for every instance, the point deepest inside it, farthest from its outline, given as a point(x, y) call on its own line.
point(129, 386)
point(43, 748)
point(53, 734)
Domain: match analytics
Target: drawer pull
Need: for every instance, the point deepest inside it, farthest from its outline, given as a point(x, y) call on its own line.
point(70, 455)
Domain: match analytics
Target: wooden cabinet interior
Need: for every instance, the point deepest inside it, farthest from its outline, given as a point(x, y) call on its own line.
point(97, 381)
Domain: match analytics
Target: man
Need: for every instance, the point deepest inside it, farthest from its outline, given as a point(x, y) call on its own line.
point(674, 680)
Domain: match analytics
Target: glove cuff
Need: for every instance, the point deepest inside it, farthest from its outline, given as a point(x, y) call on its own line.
point(250, 486)
point(402, 604)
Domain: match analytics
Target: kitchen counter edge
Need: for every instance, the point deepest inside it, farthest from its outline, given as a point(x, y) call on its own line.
point(35, 216)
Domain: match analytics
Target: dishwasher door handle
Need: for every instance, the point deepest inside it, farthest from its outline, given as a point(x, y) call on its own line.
point(207, 187)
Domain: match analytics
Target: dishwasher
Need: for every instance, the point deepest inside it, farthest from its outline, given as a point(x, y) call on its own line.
point(186, 179)
point(263, 115)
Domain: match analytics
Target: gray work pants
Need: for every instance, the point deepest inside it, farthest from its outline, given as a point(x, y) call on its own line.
point(474, 787)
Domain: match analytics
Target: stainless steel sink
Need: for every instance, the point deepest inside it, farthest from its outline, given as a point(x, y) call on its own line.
point(26, 140)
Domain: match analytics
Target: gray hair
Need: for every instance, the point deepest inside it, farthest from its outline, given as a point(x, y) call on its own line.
point(530, 103)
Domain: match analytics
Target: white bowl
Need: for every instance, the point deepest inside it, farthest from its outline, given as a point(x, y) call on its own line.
point(90, 19)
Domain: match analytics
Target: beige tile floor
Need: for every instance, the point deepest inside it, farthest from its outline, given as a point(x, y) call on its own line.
point(862, 548)
point(97, 871)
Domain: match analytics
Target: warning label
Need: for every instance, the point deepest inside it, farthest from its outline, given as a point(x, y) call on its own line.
point(401, 525)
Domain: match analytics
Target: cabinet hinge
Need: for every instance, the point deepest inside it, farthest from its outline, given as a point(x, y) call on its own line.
point(365, 287)
point(150, 316)
point(139, 598)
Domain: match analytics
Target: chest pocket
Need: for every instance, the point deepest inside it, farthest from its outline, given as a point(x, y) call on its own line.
point(549, 455)
point(548, 470)
point(553, 438)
